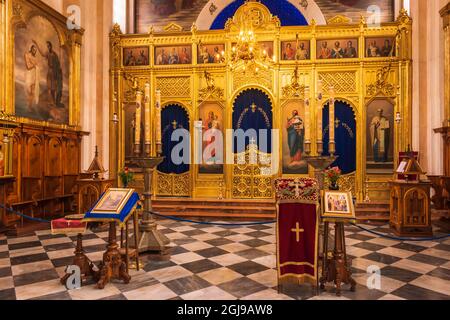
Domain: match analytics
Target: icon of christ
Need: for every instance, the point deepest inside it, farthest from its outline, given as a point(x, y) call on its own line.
point(296, 135)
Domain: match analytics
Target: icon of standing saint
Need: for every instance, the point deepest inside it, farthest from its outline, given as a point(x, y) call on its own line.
point(296, 136)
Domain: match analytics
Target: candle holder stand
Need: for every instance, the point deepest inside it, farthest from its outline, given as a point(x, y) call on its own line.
point(150, 239)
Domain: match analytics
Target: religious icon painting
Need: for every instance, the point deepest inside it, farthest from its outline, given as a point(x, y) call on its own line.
point(41, 72)
point(293, 50)
point(266, 48)
point(380, 47)
point(113, 201)
point(338, 205)
point(337, 49)
point(211, 117)
point(211, 53)
point(136, 57)
point(293, 136)
point(380, 137)
point(173, 55)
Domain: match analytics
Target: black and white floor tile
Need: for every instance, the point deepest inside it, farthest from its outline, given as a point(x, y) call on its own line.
point(219, 263)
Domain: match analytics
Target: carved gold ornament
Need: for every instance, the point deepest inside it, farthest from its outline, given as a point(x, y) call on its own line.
point(173, 27)
point(177, 87)
point(294, 89)
point(339, 19)
point(7, 117)
point(382, 86)
point(211, 92)
point(342, 81)
point(176, 185)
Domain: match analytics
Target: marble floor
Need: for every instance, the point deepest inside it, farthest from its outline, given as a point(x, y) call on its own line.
point(222, 262)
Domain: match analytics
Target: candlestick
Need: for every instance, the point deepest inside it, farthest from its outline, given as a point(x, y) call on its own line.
point(332, 143)
point(319, 118)
point(147, 119)
point(307, 122)
point(319, 132)
point(137, 132)
point(158, 123)
point(319, 90)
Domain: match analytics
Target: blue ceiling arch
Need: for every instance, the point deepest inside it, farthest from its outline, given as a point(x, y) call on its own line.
point(288, 14)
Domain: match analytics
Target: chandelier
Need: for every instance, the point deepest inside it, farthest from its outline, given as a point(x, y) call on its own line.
point(248, 53)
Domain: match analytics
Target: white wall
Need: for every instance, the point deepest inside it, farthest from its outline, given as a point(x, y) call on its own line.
point(428, 82)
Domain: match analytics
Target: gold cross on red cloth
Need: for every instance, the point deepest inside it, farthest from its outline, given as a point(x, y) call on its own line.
point(297, 231)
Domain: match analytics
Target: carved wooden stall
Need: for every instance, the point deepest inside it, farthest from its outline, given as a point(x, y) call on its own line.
point(46, 164)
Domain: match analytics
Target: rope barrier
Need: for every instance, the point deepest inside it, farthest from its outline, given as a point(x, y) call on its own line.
point(24, 215)
point(215, 223)
point(400, 238)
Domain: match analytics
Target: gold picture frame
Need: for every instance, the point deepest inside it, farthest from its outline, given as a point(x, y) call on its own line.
point(337, 205)
point(113, 201)
point(66, 44)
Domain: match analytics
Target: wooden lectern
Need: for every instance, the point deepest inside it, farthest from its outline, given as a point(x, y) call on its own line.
point(410, 201)
point(91, 185)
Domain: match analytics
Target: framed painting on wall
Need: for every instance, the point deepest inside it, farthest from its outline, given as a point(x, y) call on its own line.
point(293, 50)
point(380, 137)
point(380, 47)
point(136, 57)
point(293, 137)
point(211, 53)
point(173, 55)
point(211, 117)
point(337, 49)
point(41, 72)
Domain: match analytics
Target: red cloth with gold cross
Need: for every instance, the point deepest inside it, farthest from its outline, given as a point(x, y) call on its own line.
point(297, 230)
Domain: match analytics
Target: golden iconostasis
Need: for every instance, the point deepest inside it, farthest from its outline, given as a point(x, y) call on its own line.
point(203, 76)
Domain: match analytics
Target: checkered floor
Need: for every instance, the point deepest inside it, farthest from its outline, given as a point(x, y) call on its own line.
point(209, 262)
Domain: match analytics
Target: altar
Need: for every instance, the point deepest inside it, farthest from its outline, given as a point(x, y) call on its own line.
point(312, 87)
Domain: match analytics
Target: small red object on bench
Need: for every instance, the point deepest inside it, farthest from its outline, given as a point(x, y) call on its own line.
point(64, 226)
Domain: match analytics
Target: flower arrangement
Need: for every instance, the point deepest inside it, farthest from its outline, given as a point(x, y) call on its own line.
point(333, 175)
point(126, 176)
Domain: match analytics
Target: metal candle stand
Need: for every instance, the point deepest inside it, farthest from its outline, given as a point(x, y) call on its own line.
point(150, 238)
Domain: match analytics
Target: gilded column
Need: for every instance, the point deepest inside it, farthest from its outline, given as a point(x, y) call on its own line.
point(75, 97)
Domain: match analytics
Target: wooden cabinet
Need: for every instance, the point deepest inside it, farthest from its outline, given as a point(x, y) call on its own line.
point(410, 208)
point(46, 164)
point(89, 191)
